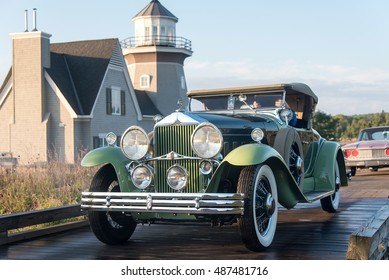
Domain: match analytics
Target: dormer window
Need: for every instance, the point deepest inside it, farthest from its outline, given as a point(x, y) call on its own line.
point(145, 81)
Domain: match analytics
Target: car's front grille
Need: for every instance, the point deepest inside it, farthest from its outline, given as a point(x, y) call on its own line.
point(175, 138)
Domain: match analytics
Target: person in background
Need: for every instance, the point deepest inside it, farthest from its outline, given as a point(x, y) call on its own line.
point(256, 104)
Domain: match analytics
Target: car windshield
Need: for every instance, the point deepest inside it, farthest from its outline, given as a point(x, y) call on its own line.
point(382, 134)
point(236, 102)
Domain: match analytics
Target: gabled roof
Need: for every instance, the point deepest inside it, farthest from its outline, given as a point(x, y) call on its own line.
point(78, 69)
point(4, 88)
point(155, 8)
point(147, 107)
point(7, 77)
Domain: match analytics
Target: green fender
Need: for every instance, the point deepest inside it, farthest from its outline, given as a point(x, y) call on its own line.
point(324, 169)
point(289, 193)
point(114, 156)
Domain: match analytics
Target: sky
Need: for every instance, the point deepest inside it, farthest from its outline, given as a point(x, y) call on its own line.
point(340, 48)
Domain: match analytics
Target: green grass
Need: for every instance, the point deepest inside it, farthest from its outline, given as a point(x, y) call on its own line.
point(30, 188)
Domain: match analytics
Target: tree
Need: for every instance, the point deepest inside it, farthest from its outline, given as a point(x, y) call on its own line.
point(344, 128)
point(342, 122)
point(325, 125)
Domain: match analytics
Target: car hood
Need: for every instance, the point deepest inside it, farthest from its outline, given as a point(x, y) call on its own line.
point(240, 121)
point(226, 123)
point(374, 144)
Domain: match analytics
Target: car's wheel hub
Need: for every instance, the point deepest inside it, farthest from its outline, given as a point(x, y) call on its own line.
point(270, 205)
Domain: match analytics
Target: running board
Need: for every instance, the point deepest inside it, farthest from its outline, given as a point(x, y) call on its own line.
point(313, 196)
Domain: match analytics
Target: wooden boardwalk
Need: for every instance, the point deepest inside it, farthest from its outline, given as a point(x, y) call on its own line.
point(304, 233)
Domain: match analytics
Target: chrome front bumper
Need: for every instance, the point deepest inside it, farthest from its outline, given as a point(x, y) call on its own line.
point(176, 203)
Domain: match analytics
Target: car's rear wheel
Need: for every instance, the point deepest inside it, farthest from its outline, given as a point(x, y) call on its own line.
point(331, 203)
point(288, 145)
point(109, 227)
point(259, 222)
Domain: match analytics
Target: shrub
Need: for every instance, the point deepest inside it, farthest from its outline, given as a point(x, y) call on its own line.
point(30, 188)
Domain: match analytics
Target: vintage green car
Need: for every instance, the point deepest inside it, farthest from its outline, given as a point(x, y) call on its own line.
point(232, 156)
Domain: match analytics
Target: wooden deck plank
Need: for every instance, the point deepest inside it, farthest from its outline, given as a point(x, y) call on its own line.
point(303, 233)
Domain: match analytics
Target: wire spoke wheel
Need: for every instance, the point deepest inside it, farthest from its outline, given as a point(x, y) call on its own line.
point(263, 205)
point(295, 162)
point(258, 224)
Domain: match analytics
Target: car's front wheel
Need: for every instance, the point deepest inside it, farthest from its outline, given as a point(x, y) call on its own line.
point(109, 227)
point(259, 222)
point(331, 203)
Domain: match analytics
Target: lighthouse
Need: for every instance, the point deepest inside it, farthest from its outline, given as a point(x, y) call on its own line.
point(155, 57)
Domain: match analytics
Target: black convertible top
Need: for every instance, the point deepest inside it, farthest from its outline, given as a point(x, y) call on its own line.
point(290, 87)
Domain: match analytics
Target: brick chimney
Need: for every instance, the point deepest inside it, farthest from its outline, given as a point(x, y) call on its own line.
point(30, 55)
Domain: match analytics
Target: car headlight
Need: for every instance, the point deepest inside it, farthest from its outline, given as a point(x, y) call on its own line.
point(206, 167)
point(207, 141)
point(111, 138)
point(257, 135)
point(141, 177)
point(177, 177)
point(134, 143)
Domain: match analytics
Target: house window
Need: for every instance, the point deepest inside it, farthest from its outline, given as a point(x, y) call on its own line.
point(116, 104)
point(100, 141)
point(115, 94)
point(145, 81)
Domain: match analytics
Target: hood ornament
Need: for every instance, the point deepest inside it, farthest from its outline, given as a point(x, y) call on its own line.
point(180, 105)
point(177, 120)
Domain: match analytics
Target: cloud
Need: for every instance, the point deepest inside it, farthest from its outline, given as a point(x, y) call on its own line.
point(341, 89)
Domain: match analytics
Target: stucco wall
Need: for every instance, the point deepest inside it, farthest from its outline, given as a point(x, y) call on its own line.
point(60, 128)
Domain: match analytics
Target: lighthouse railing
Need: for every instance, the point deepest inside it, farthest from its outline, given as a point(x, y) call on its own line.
point(157, 40)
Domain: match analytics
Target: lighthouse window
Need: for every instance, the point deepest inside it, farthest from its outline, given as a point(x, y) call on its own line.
point(183, 83)
point(144, 81)
point(147, 33)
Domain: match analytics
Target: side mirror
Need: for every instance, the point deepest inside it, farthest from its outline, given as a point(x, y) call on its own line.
point(286, 115)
